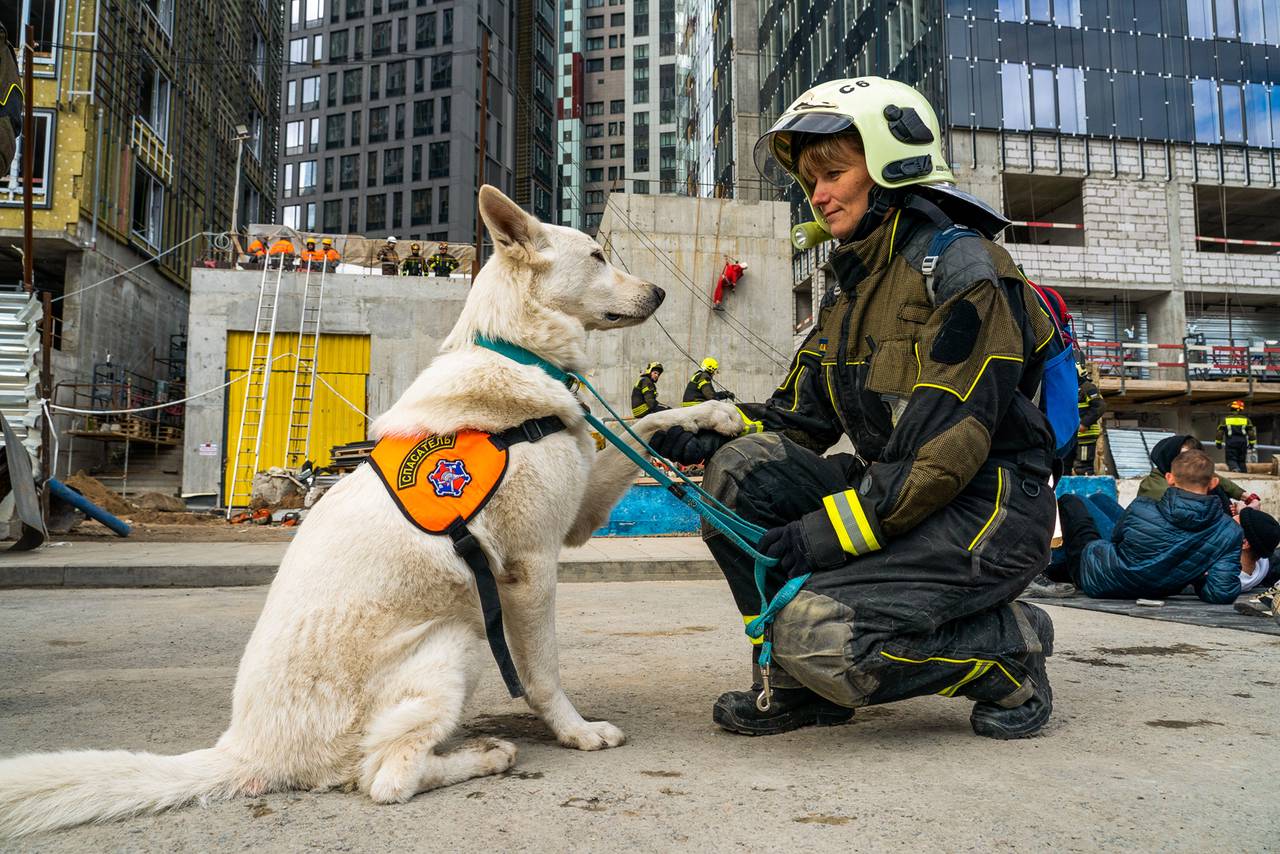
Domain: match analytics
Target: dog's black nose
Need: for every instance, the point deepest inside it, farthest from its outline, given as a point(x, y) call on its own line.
point(659, 294)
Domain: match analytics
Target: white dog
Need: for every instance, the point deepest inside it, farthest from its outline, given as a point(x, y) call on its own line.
point(370, 639)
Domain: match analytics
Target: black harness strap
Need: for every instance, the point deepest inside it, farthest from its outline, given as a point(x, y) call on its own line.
point(468, 548)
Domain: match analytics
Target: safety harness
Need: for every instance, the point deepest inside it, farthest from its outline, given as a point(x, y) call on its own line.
point(440, 483)
point(740, 532)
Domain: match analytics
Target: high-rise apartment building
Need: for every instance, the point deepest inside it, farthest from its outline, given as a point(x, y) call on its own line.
point(1133, 144)
point(380, 105)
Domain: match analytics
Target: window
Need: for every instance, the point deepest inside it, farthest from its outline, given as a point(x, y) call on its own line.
point(328, 174)
point(399, 121)
point(333, 216)
point(618, 19)
point(595, 152)
point(1204, 106)
point(443, 216)
point(375, 81)
point(595, 108)
point(352, 79)
point(393, 166)
point(1044, 199)
point(349, 172)
point(371, 169)
point(294, 137)
point(379, 124)
point(617, 149)
point(291, 215)
point(153, 98)
point(255, 135)
point(306, 177)
point(1232, 112)
point(438, 160)
point(595, 22)
point(298, 51)
point(317, 48)
point(147, 214)
point(162, 10)
point(292, 99)
point(618, 107)
point(1016, 95)
point(338, 46)
point(595, 43)
point(617, 63)
point(415, 173)
point(1257, 123)
point(310, 92)
point(395, 78)
point(446, 115)
point(423, 117)
point(594, 66)
point(595, 131)
point(375, 215)
point(335, 130)
point(442, 71)
point(1237, 213)
point(594, 197)
point(425, 30)
point(41, 165)
point(446, 26)
point(355, 128)
point(420, 207)
point(380, 38)
point(595, 175)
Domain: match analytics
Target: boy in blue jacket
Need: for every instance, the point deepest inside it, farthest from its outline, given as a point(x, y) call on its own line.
point(1159, 547)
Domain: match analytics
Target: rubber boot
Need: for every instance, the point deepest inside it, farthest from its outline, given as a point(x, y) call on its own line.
point(791, 706)
point(995, 720)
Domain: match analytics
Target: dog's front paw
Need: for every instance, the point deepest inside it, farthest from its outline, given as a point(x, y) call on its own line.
point(592, 735)
point(723, 418)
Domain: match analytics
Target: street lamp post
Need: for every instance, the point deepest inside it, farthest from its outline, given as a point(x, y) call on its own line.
point(242, 134)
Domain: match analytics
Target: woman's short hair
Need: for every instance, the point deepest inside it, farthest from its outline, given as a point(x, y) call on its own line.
point(827, 149)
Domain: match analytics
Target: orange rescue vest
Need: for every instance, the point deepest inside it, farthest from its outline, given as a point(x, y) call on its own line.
point(438, 480)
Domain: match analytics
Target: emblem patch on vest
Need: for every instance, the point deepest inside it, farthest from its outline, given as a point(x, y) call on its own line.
point(407, 473)
point(449, 478)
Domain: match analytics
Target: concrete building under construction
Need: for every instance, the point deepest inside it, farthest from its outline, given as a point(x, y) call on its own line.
point(135, 156)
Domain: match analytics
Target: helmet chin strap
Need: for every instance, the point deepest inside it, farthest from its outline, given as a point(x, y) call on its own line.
point(880, 200)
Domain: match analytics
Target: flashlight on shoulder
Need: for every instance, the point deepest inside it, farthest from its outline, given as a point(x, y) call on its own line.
point(807, 235)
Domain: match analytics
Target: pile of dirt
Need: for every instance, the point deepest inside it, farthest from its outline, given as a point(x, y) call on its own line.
point(151, 507)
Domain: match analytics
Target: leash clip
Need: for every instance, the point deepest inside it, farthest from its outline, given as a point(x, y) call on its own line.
point(764, 699)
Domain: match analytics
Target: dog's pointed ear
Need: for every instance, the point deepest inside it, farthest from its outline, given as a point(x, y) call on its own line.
point(513, 231)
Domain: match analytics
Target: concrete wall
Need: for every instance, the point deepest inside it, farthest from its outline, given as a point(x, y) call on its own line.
point(406, 319)
point(692, 235)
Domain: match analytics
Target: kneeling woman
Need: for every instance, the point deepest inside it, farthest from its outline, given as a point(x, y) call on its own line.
point(927, 356)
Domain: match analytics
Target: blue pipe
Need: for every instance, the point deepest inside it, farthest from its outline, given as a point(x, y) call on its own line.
point(88, 508)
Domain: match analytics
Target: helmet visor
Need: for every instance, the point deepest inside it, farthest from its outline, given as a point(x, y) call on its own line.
point(775, 154)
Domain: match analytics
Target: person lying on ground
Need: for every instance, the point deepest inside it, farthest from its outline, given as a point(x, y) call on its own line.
point(1158, 547)
point(1154, 484)
point(1261, 536)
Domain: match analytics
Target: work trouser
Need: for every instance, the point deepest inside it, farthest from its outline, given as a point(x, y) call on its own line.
point(1086, 451)
point(931, 612)
point(1237, 451)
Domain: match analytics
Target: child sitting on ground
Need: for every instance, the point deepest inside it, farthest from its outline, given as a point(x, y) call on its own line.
point(1159, 547)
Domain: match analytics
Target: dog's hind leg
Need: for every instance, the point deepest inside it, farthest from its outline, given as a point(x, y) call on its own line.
point(529, 612)
point(422, 705)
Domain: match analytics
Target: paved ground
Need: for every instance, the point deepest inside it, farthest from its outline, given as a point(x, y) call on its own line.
point(127, 563)
point(1165, 738)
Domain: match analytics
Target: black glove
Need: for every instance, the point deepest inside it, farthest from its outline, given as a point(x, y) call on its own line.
point(685, 447)
point(725, 395)
point(788, 544)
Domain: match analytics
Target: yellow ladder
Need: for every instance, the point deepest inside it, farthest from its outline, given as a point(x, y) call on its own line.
point(298, 445)
point(257, 386)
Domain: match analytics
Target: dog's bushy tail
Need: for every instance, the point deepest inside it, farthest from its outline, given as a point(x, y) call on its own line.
point(46, 791)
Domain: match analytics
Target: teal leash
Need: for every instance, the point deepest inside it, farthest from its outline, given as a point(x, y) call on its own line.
point(745, 535)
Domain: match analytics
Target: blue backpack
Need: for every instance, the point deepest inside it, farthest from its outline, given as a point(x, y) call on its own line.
point(1060, 385)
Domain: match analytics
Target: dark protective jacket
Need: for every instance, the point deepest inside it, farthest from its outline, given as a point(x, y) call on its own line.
point(644, 397)
point(1237, 425)
point(700, 388)
point(1091, 407)
point(413, 265)
point(928, 385)
point(390, 260)
point(442, 264)
point(1154, 486)
point(1159, 547)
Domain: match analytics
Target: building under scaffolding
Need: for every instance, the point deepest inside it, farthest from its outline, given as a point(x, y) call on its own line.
point(136, 108)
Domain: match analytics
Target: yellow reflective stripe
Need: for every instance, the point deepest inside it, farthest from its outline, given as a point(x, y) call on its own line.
point(976, 380)
point(750, 426)
point(842, 530)
point(984, 661)
point(690, 402)
point(746, 619)
point(1237, 422)
point(995, 512)
point(853, 529)
point(637, 411)
point(796, 401)
point(893, 233)
point(975, 673)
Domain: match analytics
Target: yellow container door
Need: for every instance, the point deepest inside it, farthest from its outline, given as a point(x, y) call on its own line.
point(342, 361)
